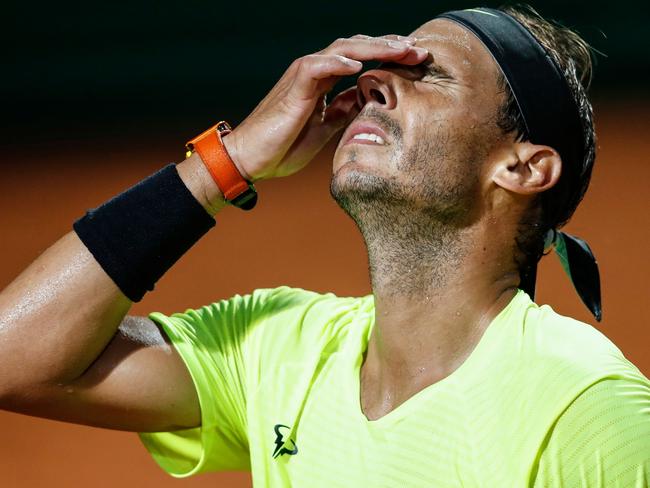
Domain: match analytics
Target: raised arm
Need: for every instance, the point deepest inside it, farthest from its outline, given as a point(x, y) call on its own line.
point(68, 352)
point(67, 349)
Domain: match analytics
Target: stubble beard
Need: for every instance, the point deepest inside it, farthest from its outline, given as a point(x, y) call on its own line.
point(413, 232)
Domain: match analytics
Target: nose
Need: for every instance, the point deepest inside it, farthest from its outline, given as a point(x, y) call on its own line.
point(374, 87)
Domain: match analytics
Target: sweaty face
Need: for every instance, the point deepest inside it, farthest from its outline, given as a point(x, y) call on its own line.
point(424, 132)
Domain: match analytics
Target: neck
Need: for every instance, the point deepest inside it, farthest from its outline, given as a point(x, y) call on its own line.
point(436, 289)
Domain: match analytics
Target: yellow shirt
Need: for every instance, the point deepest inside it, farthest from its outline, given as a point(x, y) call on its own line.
point(543, 400)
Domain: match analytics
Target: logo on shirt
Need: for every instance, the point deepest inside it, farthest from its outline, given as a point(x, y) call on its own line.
point(283, 446)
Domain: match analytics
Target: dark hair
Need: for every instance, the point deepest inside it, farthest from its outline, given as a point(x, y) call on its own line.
point(554, 207)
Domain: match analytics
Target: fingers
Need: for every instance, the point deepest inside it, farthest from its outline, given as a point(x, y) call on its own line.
point(323, 125)
point(395, 37)
point(319, 66)
point(314, 68)
point(343, 58)
point(387, 48)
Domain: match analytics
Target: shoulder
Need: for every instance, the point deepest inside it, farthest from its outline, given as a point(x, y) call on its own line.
point(264, 304)
point(602, 438)
point(287, 299)
point(552, 339)
point(296, 332)
point(293, 317)
point(268, 321)
point(560, 332)
point(606, 409)
point(265, 319)
point(555, 360)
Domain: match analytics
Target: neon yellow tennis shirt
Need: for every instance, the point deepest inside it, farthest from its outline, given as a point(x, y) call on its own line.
point(543, 400)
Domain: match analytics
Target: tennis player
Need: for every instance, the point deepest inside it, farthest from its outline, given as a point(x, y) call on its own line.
point(459, 159)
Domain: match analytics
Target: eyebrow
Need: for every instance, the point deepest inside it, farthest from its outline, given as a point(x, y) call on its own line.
point(428, 66)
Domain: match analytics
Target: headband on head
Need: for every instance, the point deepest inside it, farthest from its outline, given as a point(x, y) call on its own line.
point(551, 117)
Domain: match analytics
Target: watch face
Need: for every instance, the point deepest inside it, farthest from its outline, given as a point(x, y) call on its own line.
point(223, 126)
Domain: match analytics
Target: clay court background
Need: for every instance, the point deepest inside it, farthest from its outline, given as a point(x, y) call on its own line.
point(296, 236)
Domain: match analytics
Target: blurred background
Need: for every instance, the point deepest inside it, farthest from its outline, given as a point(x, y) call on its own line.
point(97, 95)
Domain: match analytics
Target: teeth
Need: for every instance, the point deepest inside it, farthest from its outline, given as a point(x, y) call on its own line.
point(369, 137)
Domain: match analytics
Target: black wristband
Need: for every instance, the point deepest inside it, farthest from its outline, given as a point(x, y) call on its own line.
point(139, 234)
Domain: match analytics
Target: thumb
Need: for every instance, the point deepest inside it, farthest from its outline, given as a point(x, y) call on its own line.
point(324, 125)
point(343, 109)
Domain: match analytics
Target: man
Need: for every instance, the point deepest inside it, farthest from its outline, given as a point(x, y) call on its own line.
point(448, 374)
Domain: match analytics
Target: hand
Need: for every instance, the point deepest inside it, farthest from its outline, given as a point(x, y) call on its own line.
point(293, 122)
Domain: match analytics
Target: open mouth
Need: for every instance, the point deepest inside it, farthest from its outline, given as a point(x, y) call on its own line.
point(366, 138)
point(365, 132)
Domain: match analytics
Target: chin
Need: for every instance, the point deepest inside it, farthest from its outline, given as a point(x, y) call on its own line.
point(361, 175)
point(350, 158)
point(353, 173)
point(357, 182)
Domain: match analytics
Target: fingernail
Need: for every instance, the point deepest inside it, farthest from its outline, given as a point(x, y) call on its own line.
point(396, 45)
point(352, 62)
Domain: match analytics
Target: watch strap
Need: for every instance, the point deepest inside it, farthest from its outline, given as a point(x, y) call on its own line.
point(235, 189)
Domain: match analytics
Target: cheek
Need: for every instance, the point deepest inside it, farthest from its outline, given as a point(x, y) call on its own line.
point(454, 131)
point(427, 139)
point(444, 152)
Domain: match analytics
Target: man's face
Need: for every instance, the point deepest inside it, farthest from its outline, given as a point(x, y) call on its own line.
point(438, 125)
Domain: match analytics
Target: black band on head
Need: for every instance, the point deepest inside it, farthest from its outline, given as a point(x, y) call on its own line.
point(550, 115)
point(537, 83)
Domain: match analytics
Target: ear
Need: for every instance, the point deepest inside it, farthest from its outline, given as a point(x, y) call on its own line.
point(530, 169)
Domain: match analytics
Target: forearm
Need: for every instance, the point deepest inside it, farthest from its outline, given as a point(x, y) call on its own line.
point(56, 317)
point(60, 313)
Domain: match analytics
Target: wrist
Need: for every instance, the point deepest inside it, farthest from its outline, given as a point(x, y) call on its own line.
point(236, 189)
point(199, 182)
point(231, 143)
point(140, 233)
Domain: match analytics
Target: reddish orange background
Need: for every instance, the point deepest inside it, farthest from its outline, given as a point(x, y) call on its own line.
point(296, 236)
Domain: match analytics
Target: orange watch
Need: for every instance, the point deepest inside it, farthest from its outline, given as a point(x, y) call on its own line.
point(236, 190)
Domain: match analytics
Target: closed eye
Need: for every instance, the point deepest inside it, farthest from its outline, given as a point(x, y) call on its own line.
point(435, 70)
point(425, 69)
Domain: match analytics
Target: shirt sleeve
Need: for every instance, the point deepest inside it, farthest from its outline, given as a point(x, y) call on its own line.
point(213, 343)
point(602, 440)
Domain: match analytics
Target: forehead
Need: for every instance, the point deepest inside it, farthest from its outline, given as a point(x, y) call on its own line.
point(456, 48)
